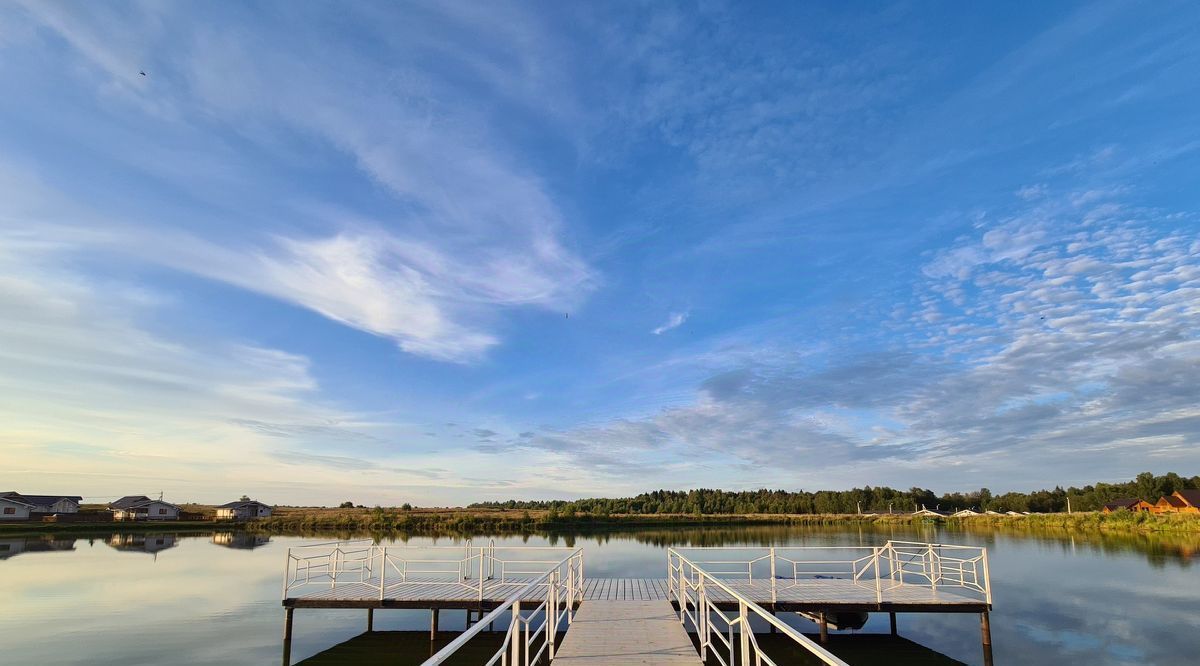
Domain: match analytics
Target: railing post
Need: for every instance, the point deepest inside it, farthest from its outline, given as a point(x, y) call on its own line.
point(481, 559)
point(570, 590)
point(774, 596)
point(744, 632)
point(682, 596)
point(552, 613)
point(515, 628)
point(932, 569)
point(987, 578)
point(334, 569)
point(287, 570)
point(382, 572)
point(878, 584)
point(702, 624)
point(671, 593)
point(527, 642)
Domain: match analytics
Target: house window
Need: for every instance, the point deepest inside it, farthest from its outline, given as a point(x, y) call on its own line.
point(161, 511)
point(8, 510)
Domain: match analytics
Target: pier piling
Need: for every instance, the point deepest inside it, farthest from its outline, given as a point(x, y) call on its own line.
point(287, 636)
point(824, 628)
point(985, 627)
point(892, 621)
point(433, 624)
point(370, 619)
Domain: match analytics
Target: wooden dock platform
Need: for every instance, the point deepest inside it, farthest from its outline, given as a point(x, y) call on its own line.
point(626, 631)
point(709, 595)
point(810, 595)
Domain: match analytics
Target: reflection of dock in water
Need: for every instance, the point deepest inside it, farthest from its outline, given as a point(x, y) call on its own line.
point(728, 604)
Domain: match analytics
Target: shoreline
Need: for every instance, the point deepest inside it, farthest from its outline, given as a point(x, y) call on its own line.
point(512, 521)
point(429, 522)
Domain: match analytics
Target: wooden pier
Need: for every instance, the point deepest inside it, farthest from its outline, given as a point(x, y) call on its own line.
point(627, 631)
point(718, 595)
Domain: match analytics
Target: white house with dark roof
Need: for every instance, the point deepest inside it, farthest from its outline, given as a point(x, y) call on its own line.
point(243, 510)
point(140, 507)
point(47, 503)
point(14, 509)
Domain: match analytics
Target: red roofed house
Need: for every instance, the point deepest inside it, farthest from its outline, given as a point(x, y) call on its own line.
point(1132, 504)
point(1181, 501)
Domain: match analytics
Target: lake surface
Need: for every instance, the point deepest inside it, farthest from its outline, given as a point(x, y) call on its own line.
point(214, 598)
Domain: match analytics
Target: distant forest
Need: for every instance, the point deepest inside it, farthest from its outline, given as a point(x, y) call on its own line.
point(871, 500)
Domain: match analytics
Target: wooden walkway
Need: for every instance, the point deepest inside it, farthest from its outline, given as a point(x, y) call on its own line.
point(804, 595)
point(614, 632)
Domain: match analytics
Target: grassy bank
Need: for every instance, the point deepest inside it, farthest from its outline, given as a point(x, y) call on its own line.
point(434, 522)
point(501, 521)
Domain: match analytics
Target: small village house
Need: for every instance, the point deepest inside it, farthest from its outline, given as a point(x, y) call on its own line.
point(140, 507)
point(1191, 500)
point(47, 503)
point(1181, 501)
point(14, 509)
point(1130, 504)
point(1168, 504)
point(244, 509)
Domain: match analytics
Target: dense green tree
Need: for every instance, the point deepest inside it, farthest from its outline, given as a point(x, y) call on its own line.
point(880, 499)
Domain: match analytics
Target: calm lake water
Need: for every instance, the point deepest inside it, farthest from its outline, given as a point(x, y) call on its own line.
point(214, 599)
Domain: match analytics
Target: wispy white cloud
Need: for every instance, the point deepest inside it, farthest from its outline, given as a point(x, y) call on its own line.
point(468, 229)
point(674, 321)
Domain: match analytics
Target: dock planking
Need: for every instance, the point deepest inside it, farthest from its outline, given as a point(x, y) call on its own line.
point(629, 630)
point(802, 595)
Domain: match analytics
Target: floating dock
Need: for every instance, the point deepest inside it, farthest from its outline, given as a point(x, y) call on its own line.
point(720, 596)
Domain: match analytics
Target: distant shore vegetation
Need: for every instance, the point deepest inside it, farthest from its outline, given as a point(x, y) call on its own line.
point(704, 507)
point(880, 499)
point(881, 506)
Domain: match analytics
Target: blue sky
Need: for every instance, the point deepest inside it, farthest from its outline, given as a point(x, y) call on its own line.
point(444, 252)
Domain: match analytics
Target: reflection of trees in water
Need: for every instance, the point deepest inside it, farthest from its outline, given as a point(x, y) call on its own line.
point(1159, 548)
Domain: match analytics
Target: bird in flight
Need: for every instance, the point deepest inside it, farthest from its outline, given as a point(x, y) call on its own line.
point(142, 73)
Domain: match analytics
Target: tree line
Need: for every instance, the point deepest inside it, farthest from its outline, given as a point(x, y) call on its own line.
point(880, 499)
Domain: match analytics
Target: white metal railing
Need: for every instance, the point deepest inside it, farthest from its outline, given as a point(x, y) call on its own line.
point(364, 567)
point(880, 569)
point(533, 625)
point(689, 587)
point(937, 565)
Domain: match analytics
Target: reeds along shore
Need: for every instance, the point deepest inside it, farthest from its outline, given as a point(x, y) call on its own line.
point(434, 522)
point(428, 521)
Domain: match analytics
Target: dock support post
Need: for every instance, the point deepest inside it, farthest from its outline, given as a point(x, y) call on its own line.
point(824, 628)
point(370, 619)
point(287, 636)
point(433, 623)
point(892, 619)
point(985, 627)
